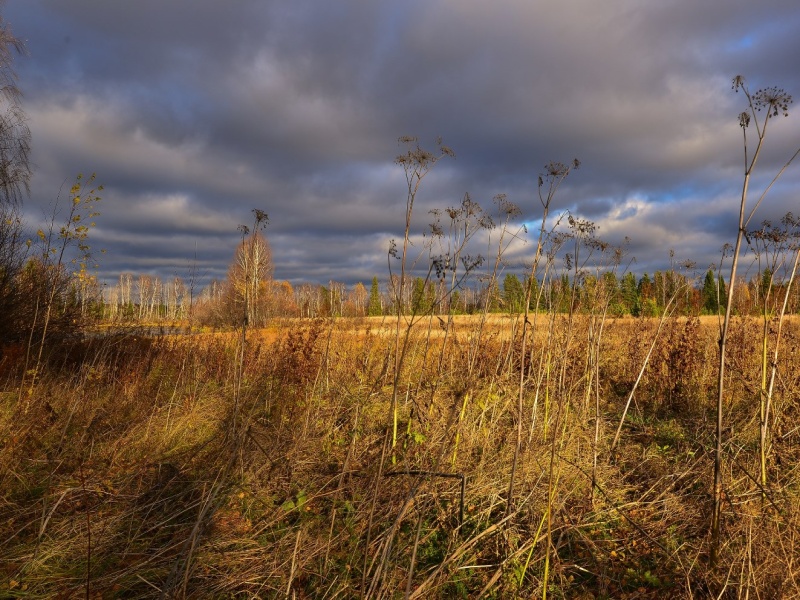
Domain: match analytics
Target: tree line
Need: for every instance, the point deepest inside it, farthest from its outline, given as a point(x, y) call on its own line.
point(146, 298)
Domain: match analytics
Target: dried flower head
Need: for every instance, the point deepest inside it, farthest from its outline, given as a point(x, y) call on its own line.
point(438, 268)
point(261, 216)
point(555, 169)
point(471, 262)
point(744, 119)
point(581, 227)
point(506, 207)
point(436, 226)
point(774, 99)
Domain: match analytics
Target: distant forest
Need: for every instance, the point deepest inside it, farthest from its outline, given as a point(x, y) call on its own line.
point(146, 298)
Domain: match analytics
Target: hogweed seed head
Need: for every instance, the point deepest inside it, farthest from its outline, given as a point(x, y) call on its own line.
point(555, 169)
point(261, 216)
point(774, 99)
point(506, 207)
point(744, 120)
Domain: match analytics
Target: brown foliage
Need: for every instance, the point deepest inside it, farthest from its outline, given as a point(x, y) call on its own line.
point(125, 440)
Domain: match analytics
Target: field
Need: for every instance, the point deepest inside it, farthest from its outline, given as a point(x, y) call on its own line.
point(311, 462)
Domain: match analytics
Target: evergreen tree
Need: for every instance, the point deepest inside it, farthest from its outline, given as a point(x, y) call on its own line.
point(374, 309)
point(630, 294)
point(645, 288)
point(513, 294)
point(647, 304)
point(612, 293)
point(766, 284)
point(709, 293)
point(723, 293)
point(533, 284)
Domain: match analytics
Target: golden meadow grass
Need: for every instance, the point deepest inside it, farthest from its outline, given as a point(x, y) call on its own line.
point(121, 473)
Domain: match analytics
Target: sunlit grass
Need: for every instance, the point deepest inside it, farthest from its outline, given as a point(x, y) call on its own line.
point(127, 453)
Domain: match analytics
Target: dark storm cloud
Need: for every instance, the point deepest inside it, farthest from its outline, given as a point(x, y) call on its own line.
point(192, 113)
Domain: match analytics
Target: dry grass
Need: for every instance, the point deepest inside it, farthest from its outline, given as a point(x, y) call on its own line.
point(133, 471)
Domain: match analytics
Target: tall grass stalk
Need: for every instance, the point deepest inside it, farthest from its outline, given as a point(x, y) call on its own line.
point(772, 101)
point(548, 184)
point(597, 324)
point(770, 387)
point(417, 163)
point(770, 244)
point(545, 362)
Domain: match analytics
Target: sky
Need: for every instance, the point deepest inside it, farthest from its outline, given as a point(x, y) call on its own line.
point(194, 112)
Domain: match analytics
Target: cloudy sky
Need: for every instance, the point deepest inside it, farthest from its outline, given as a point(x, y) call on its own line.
point(194, 112)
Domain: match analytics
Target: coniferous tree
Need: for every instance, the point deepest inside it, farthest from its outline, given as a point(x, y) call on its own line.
point(375, 309)
point(710, 294)
point(630, 294)
point(513, 294)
